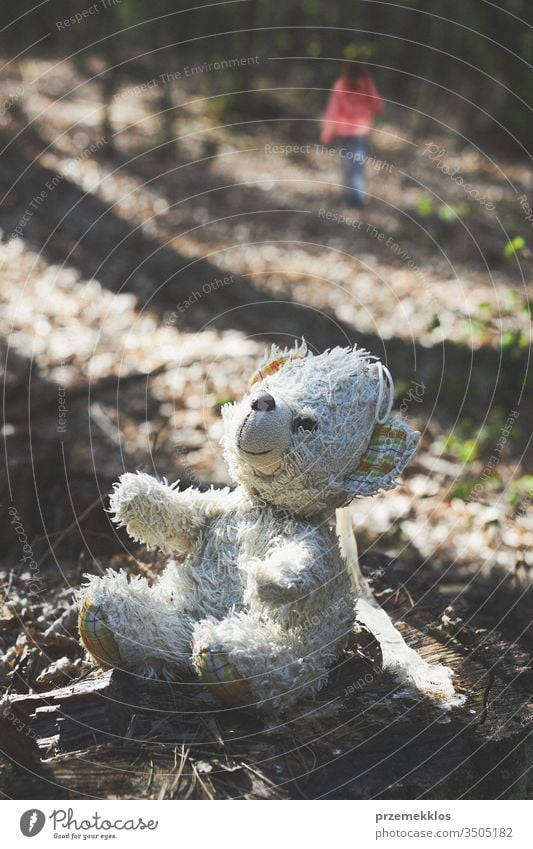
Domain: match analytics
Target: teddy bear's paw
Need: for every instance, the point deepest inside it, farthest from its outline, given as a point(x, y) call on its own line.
point(97, 636)
point(125, 501)
point(221, 677)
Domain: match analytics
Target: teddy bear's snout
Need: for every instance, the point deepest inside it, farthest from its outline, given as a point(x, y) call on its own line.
point(264, 402)
point(262, 429)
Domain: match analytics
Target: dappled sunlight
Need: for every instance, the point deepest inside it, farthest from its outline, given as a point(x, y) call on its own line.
point(177, 195)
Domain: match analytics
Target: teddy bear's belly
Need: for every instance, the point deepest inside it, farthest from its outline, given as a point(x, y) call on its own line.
point(215, 573)
point(219, 573)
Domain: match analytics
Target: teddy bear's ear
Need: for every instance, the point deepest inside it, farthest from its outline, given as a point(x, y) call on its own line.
point(392, 445)
point(276, 359)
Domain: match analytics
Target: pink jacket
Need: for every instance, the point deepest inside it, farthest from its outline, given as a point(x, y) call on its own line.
point(349, 112)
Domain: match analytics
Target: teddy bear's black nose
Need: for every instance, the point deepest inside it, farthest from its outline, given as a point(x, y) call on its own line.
point(263, 402)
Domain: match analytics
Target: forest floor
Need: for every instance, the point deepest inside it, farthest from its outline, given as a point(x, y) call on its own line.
point(147, 276)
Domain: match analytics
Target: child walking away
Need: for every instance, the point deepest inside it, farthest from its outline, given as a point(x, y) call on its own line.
point(352, 105)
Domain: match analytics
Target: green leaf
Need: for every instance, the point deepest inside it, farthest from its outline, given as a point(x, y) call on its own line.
point(447, 213)
point(425, 205)
point(219, 403)
point(511, 299)
point(351, 51)
point(468, 451)
point(513, 343)
point(313, 48)
point(513, 246)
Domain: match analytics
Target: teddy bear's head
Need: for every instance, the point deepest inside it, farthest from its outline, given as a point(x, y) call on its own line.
point(314, 431)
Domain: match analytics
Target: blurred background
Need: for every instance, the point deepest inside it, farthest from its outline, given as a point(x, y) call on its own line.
point(168, 210)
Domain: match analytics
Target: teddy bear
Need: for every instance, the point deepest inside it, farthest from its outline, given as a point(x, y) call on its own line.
point(260, 596)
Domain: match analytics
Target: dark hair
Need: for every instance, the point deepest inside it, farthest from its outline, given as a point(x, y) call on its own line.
point(354, 72)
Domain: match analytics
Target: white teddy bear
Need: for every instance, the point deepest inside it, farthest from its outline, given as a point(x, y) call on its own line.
point(261, 601)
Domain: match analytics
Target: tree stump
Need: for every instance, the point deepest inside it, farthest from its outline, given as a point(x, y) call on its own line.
point(115, 735)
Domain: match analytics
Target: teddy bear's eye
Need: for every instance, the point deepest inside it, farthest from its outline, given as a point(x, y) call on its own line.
point(304, 423)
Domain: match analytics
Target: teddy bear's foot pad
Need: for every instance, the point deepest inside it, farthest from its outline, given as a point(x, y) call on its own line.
point(97, 636)
point(221, 677)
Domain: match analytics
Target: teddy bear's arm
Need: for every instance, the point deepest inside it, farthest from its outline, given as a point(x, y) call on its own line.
point(161, 516)
point(290, 571)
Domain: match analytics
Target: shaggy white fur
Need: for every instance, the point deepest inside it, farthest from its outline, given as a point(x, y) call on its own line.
point(263, 582)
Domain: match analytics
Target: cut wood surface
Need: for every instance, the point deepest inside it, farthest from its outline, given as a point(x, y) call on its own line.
point(113, 735)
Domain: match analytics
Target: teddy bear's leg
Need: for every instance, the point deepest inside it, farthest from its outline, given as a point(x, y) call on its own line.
point(247, 660)
point(128, 624)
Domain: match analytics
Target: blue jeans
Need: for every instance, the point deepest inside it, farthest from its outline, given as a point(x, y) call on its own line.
point(353, 151)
